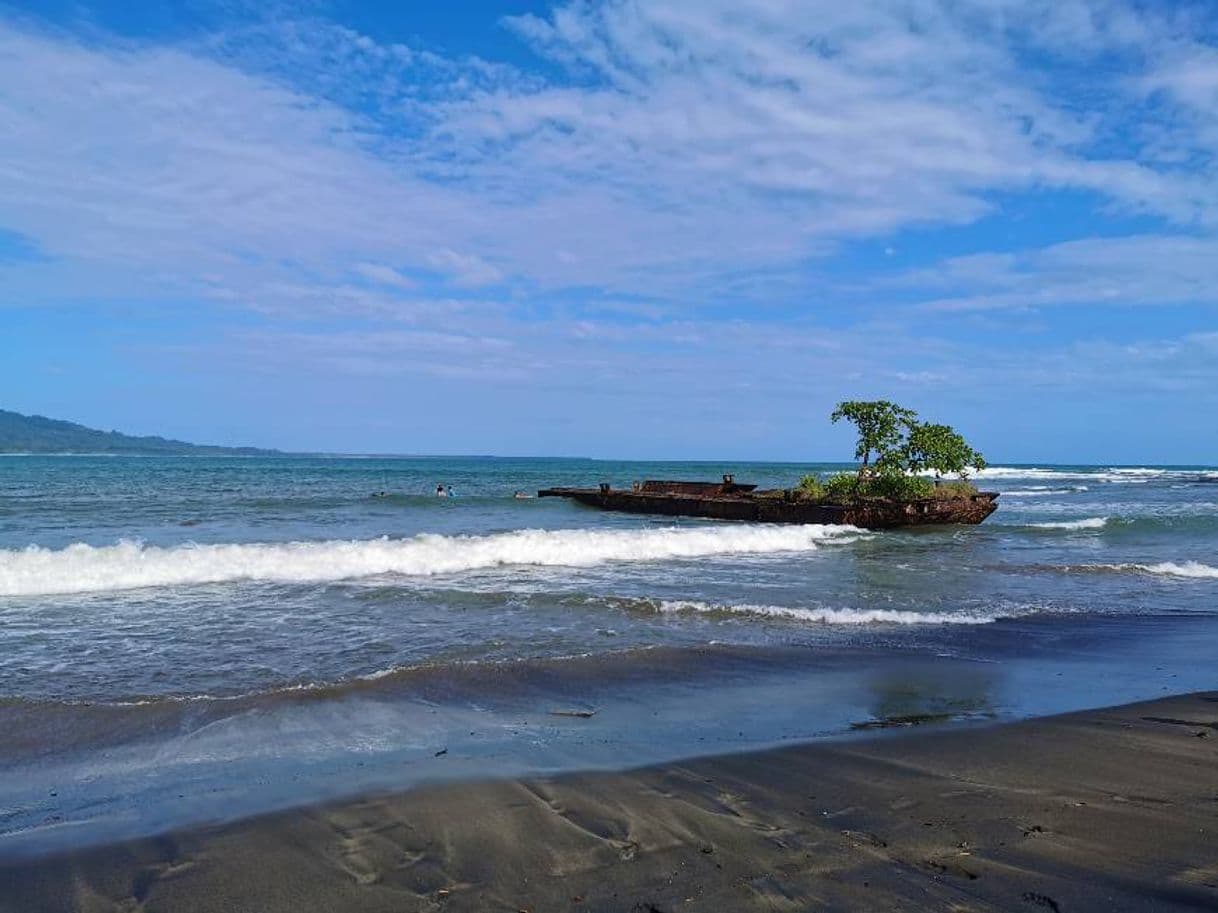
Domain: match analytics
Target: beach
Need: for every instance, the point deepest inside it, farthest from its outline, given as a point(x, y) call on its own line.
point(1111, 809)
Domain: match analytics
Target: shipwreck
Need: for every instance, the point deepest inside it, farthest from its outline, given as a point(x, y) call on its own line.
point(731, 500)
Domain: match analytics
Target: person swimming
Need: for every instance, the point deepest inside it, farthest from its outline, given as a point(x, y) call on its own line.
point(441, 491)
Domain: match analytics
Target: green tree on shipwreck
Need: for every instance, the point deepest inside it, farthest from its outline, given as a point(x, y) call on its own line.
point(883, 430)
point(940, 449)
point(893, 448)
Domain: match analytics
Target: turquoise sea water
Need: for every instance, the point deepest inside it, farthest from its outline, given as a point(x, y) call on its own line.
point(184, 639)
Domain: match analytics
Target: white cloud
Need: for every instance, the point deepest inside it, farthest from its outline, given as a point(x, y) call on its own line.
point(693, 145)
point(1129, 271)
point(383, 275)
point(464, 269)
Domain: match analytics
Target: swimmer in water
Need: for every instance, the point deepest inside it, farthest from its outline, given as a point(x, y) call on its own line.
point(441, 492)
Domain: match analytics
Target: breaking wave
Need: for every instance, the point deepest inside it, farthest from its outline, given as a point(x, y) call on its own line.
point(1089, 523)
point(1111, 474)
point(81, 568)
point(830, 616)
point(1185, 569)
point(1038, 491)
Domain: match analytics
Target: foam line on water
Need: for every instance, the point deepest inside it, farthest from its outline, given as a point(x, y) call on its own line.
point(830, 616)
point(1040, 491)
point(1111, 474)
point(1193, 570)
point(82, 568)
point(1072, 525)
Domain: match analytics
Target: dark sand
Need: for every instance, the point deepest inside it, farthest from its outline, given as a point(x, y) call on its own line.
point(1101, 810)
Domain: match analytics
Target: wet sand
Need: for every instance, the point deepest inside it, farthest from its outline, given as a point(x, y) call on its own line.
point(1102, 810)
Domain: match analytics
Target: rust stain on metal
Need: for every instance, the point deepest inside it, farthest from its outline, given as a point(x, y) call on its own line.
point(729, 500)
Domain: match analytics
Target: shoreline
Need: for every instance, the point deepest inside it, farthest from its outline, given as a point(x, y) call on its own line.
point(90, 775)
point(1101, 809)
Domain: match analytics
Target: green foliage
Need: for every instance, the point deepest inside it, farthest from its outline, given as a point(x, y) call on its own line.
point(882, 427)
point(897, 486)
point(892, 442)
point(893, 447)
point(845, 487)
point(939, 448)
point(841, 486)
point(810, 488)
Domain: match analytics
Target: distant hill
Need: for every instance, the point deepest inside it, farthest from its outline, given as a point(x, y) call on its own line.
point(36, 434)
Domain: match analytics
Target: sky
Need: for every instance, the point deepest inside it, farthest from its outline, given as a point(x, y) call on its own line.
point(678, 229)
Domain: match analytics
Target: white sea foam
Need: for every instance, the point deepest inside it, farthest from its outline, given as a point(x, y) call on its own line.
point(1021, 472)
point(1174, 569)
point(1112, 474)
point(1039, 491)
point(831, 616)
point(1186, 569)
point(1089, 523)
point(82, 568)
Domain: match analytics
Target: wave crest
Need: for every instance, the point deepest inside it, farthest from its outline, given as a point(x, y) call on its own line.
point(1185, 569)
point(830, 616)
point(81, 568)
point(1071, 525)
point(1110, 474)
point(1040, 491)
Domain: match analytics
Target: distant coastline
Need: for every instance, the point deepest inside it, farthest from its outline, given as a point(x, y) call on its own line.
point(37, 435)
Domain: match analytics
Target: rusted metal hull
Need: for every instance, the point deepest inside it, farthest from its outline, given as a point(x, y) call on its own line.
point(877, 514)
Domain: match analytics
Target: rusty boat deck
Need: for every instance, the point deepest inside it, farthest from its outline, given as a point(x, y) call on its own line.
point(731, 501)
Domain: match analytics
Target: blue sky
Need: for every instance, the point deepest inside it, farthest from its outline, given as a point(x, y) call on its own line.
point(677, 229)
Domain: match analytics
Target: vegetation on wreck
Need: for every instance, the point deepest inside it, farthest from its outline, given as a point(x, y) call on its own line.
point(895, 452)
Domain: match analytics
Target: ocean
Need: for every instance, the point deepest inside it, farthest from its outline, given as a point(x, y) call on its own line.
point(190, 639)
